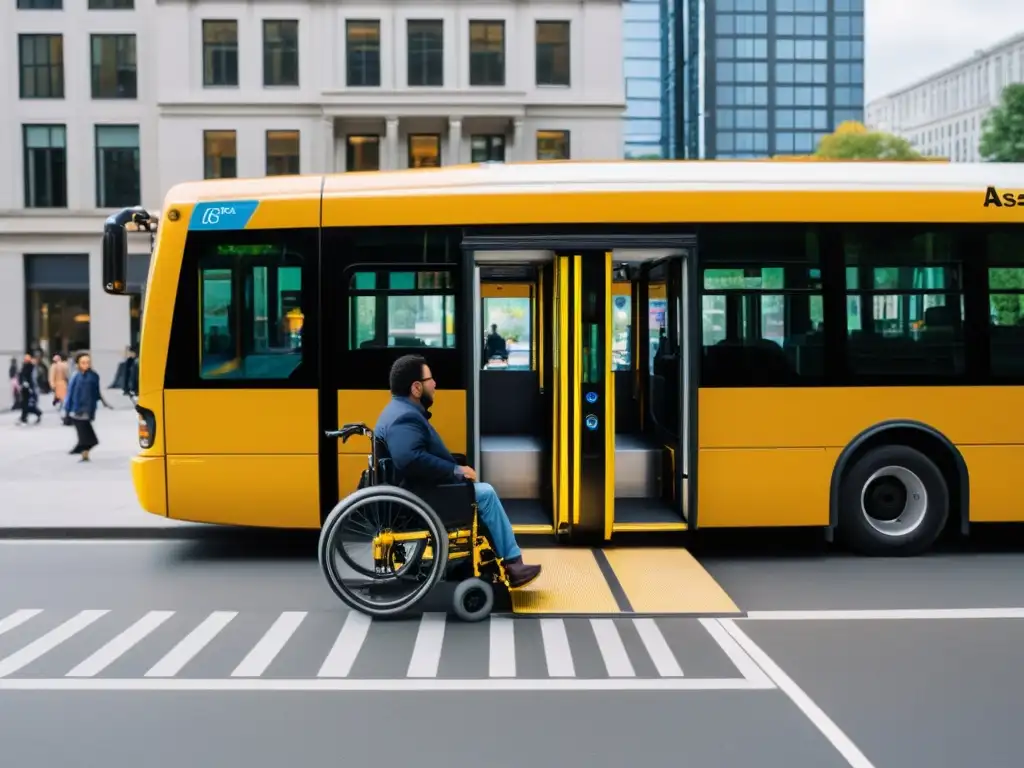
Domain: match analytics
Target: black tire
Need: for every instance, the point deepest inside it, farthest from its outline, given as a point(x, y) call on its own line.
point(868, 500)
point(431, 523)
point(473, 600)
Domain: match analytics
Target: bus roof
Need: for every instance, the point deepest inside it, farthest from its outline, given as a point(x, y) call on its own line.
point(561, 177)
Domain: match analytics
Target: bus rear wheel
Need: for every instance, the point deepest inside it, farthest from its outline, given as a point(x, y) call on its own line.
point(893, 501)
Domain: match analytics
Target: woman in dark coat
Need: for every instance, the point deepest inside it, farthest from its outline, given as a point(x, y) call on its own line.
point(84, 396)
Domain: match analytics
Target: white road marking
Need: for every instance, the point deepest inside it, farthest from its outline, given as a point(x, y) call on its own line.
point(192, 644)
point(740, 659)
point(927, 614)
point(657, 648)
point(18, 618)
point(265, 651)
point(502, 647)
point(556, 648)
point(48, 642)
point(121, 644)
point(262, 684)
point(426, 653)
point(613, 651)
point(842, 743)
point(346, 647)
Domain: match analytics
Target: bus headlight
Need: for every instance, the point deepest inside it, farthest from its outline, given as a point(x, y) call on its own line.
point(147, 427)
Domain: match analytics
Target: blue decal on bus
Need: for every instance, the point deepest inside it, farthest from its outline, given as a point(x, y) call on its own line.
point(232, 214)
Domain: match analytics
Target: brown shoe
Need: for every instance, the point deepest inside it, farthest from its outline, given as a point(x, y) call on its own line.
point(520, 574)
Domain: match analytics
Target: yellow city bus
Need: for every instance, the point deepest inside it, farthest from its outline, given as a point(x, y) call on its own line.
point(689, 345)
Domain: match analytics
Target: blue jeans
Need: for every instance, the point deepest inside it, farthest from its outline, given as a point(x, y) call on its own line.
point(496, 519)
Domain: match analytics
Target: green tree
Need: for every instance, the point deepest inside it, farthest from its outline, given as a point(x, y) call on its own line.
point(1002, 130)
point(852, 141)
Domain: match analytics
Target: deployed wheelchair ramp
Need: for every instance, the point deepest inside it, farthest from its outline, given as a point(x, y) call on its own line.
point(616, 581)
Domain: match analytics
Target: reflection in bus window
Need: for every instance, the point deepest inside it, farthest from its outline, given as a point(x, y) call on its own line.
point(622, 326)
point(507, 343)
point(1006, 302)
point(904, 304)
point(409, 309)
point(251, 313)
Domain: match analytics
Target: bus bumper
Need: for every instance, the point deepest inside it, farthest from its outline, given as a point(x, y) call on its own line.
point(150, 478)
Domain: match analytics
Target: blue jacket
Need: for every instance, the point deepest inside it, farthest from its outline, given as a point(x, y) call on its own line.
point(83, 394)
point(416, 448)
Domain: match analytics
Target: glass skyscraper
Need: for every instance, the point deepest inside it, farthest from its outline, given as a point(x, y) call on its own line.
point(779, 74)
point(647, 60)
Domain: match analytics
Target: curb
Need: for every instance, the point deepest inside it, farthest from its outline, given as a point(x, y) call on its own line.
point(112, 532)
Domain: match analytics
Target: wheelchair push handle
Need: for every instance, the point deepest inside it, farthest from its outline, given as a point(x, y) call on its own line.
point(348, 431)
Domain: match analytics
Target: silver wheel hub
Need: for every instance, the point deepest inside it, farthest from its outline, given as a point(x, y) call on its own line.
point(894, 501)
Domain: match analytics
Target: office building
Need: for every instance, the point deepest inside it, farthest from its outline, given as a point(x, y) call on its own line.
point(111, 102)
point(942, 114)
point(778, 74)
point(648, 61)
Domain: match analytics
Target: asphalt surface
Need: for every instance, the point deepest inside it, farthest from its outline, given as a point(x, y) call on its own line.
point(230, 649)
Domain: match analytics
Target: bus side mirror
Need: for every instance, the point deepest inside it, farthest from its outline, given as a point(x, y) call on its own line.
point(115, 248)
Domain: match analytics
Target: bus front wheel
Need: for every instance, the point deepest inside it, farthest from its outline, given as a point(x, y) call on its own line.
point(893, 501)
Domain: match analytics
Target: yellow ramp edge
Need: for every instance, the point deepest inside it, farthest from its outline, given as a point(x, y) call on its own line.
point(667, 581)
point(571, 582)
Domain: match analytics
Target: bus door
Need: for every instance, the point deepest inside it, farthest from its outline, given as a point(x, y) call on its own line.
point(512, 396)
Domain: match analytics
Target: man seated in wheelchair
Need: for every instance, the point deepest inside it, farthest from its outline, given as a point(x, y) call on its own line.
point(420, 456)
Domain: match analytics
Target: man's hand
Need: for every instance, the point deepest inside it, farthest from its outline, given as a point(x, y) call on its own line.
point(469, 473)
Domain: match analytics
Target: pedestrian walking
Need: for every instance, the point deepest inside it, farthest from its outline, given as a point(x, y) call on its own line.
point(28, 386)
point(83, 397)
point(59, 379)
point(12, 374)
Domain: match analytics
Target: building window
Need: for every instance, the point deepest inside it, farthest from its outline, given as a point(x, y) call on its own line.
point(118, 179)
point(41, 60)
point(362, 44)
point(488, 149)
point(282, 153)
point(424, 150)
point(552, 145)
point(220, 155)
point(280, 52)
point(426, 53)
point(114, 72)
point(402, 309)
point(250, 299)
point(57, 303)
point(111, 5)
point(45, 160)
point(220, 53)
point(40, 5)
point(362, 153)
point(487, 53)
point(553, 63)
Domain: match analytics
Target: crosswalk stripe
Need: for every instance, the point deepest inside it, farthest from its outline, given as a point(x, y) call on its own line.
point(613, 651)
point(347, 645)
point(48, 642)
point(193, 643)
point(556, 648)
point(657, 648)
point(426, 654)
point(120, 645)
point(18, 618)
point(271, 644)
point(502, 648)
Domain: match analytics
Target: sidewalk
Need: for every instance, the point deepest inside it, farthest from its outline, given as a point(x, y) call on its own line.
point(46, 493)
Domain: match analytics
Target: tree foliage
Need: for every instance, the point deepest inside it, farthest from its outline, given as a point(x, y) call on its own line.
point(1002, 136)
point(852, 141)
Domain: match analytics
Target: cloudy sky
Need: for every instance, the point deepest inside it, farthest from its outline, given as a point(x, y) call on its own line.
point(909, 39)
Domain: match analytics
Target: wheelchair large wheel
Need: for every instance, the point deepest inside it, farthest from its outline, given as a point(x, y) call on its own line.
point(372, 550)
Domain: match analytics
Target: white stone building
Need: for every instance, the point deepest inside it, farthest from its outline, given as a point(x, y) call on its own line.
point(111, 102)
point(941, 115)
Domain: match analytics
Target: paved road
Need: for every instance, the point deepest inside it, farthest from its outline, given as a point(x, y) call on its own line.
point(234, 649)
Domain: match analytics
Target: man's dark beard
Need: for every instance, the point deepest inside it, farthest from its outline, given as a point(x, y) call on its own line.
point(426, 400)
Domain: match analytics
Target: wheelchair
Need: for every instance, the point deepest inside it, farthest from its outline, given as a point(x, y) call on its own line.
point(412, 539)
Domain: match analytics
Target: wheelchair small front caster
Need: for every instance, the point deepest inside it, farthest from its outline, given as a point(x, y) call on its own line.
point(473, 600)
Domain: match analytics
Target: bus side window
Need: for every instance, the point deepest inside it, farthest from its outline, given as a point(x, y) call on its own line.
point(250, 304)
